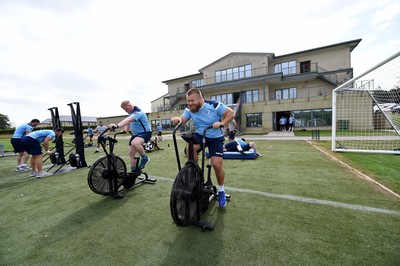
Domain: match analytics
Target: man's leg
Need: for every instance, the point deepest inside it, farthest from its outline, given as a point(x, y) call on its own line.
point(132, 156)
point(254, 147)
point(217, 163)
point(137, 146)
point(34, 170)
point(39, 163)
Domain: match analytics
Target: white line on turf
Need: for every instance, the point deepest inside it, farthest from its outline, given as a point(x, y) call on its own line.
point(305, 200)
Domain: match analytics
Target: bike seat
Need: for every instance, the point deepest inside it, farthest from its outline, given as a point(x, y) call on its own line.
point(188, 137)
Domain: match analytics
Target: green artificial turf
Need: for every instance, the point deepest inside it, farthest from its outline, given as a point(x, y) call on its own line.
point(293, 206)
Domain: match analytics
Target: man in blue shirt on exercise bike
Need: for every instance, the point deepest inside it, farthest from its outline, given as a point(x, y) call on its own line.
point(138, 123)
point(205, 113)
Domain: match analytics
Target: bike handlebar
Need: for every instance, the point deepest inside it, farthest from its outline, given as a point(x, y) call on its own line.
point(104, 132)
point(115, 135)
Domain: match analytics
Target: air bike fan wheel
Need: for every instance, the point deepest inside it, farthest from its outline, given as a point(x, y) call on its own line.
point(185, 196)
point(100, 179)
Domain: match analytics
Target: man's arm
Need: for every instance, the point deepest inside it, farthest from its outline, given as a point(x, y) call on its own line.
point(176, 119)
point(46, 144)
point(227, 117)
point(124, 123)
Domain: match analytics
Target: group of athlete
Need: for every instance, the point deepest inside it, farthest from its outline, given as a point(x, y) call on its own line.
point(202, 112)
point(27, 144)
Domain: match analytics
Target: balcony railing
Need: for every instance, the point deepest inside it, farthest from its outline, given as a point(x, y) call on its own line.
point(301, 68)
point(265, 71)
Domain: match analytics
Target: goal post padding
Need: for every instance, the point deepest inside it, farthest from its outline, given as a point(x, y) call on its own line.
point(366, 110)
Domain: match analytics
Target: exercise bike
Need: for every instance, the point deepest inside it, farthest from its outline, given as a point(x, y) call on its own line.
point(191, 195)
point(108, 175)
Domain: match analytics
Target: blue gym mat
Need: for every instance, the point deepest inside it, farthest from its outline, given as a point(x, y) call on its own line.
point(236, 155)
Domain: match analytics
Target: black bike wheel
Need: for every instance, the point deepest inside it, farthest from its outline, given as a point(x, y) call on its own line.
point(99, 176)
point(184, 199)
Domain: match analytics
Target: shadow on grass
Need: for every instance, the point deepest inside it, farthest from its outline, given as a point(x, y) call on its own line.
point(79, 221)
point(200, 247)
point(15, 180)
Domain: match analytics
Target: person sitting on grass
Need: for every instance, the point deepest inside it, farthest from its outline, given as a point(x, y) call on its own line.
point(240, 145)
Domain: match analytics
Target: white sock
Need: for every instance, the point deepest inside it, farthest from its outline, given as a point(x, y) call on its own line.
point(221, 188)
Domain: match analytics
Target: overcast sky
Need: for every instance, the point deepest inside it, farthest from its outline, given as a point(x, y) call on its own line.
point(101, 52)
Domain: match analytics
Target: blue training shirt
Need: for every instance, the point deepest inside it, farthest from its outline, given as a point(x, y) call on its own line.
point(40, 135)
point(207, 115)
point(240, 142)
point(141, 123)
point(20, 131)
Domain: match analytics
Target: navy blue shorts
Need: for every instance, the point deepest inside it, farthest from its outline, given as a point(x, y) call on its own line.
point(16, 143)
point(232, 146)
point(144, 135)
point(31, 145)
point(215, 145)
point(102, 139)
point(232, 134)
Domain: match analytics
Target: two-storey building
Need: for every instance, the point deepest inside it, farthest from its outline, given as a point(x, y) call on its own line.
point(263, 87)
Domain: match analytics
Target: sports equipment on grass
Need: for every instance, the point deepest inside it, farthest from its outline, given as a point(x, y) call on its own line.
point(250, 154)
point(58, 155)
point(191, 194)
point(108, 176)
point(366, 111)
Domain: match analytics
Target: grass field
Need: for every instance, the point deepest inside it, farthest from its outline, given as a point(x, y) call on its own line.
point(293, 206)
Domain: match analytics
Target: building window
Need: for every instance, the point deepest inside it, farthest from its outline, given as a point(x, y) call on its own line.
point(286, 68)
point(285, 94)
point(166, 123)
point(226, 99)
point(305, 67)
point(197, 83)
point(313, 118)
point(254, 120)
point(250, 96)
point(233, 73)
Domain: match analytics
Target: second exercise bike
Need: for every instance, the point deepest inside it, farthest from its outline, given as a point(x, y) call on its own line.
point(108, 175)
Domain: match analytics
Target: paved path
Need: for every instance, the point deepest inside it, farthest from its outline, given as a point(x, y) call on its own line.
point(274, 135)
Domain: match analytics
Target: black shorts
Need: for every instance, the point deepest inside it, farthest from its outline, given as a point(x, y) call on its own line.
point(144, 135)
point(102, 139)
point(232, 134)
point(215, 145)
point(31, 145)
point(232, 146)
point(16, 143)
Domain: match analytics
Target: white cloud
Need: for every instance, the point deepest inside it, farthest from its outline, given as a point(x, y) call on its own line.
point(99, 52)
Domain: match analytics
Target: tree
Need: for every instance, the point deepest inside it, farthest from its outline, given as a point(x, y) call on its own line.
point(4, 122)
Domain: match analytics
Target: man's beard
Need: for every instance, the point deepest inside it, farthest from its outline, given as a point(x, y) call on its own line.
point(195, 108)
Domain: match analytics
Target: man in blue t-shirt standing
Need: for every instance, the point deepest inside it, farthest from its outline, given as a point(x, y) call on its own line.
point(138, 123)
point(205, 113)
point(19, 132)
point(159, 132)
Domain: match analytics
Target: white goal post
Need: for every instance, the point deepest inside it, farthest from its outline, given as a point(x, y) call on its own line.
point(366, 110)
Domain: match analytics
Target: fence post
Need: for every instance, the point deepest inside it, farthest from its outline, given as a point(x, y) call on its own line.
point(315, 134)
